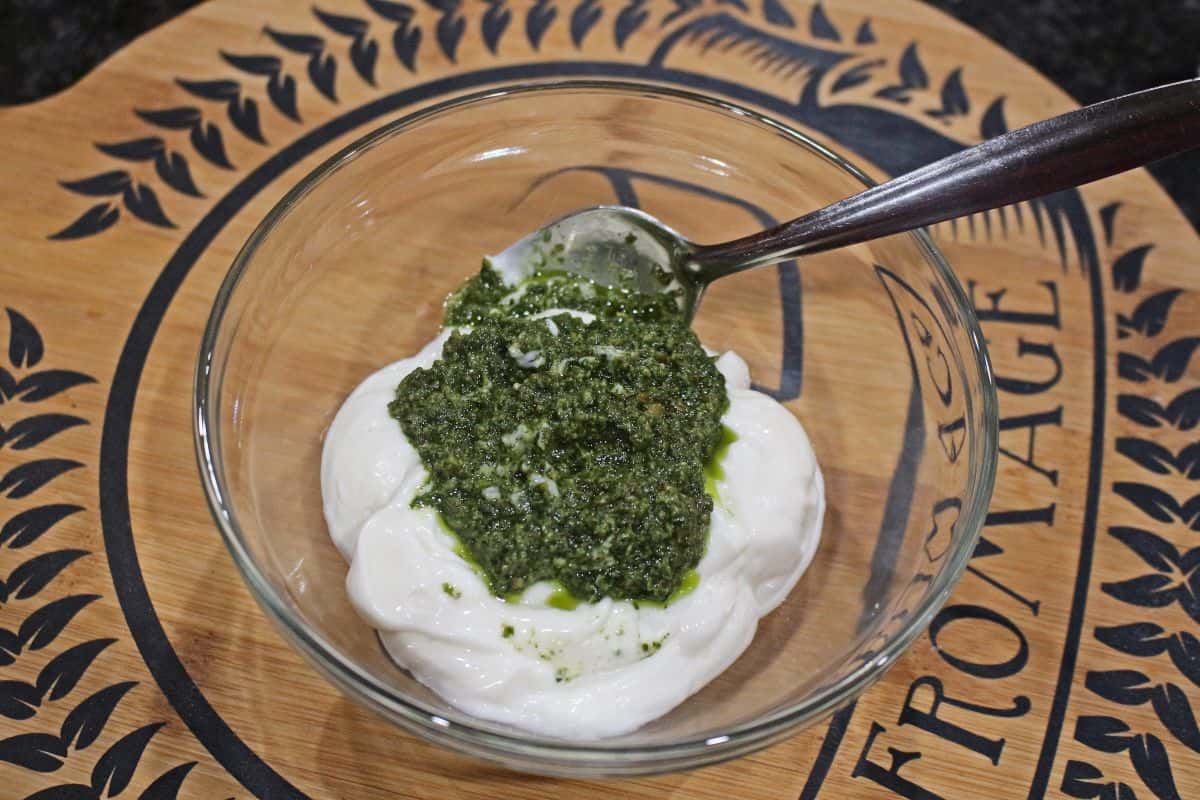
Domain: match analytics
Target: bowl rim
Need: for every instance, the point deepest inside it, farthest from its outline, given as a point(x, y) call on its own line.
point(565, 756)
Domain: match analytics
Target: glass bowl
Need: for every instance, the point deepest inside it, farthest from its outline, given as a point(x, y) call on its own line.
point(874, 348)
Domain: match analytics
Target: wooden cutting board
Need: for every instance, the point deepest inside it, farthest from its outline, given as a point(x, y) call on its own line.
point(133, 662)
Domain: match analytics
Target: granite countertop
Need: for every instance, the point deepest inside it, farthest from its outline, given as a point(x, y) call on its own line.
point(1092, 49)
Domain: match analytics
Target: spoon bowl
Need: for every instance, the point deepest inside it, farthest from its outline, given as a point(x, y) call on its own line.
point(616, 246)
point(631, 250)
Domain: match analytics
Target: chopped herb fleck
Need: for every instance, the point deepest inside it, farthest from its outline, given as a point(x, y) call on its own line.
point(650, 648)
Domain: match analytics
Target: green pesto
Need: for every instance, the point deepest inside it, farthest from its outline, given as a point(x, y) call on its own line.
point(714, 470)
point(452, 590)
point(507, 631)
point(486, 296)
point(565, 451)
point(691, 579)
point(562, 599)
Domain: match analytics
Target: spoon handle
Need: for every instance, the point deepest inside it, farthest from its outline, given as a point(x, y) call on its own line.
point(1070, 150)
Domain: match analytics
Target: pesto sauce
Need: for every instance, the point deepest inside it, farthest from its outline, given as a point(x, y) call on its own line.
point(564, 451)
point(486, 296)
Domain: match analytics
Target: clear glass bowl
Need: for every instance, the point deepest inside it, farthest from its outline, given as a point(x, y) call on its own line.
point(874, 348)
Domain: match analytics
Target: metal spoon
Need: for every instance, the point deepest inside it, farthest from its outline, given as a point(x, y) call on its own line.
point(625, 247)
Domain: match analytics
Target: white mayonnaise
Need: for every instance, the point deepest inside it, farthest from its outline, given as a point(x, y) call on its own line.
point(604, 668)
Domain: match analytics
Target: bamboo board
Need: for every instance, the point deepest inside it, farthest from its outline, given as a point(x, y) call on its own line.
point(134, 663)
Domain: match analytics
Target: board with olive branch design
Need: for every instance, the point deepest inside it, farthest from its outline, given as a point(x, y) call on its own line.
point(133, 663)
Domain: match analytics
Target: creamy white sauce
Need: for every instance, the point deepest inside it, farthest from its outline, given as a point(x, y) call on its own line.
point(602, 669)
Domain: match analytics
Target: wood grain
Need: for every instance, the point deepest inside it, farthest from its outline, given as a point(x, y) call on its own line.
point(1089, 565)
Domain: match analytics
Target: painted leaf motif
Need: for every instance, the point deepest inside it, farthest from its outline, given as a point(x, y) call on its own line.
point(820, 26)
point(1133, 367)
point(1135, 638)
point(1079, 780)
point(44, 625)
point(776, 14)
point(211, 90)
point(141, 201)
point(993, 123)
point(954, 98)
point(1188, 461)
point(178, 118)
point(865, 34)
point(1150, 499)
point(174, 170)
point(1154, 550)
point(1108, 220)
point(25, 528)
point(281, 91)
point(912, 71)
point(1106, 734)
point(39, 752)
point(1150, 316)
point(85, 724)
point(1184, 411)
point(1184, 649)
point(1172, 361)
point(1150, 591)
point(1125, 686)
point(32, 431)
point(18, 699)
point(304, 43)
point(115, 768)
point(1147, 453)
point(538, 20)
point(64, 671)
point(495, 21)
point(391, 11)
point(1153, 766)
point(346, 26)
point(253, 64)
point(134, 149)
point(629, 19)
point(244, 116)
point(855, 76)
point(1127, 269)
point(38, 386)
point(25, 479)
point(25, 348)
point(167, 785)
point(99, 217)
point(450, 28)
point(364, 53)
point(31, 577)
point(583, 19)
point(10, 646)
point(322, 71)
point(1173, 708)
point(207, 140)
point(406, 43)
point(105, 184)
